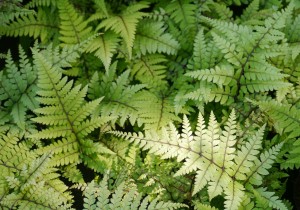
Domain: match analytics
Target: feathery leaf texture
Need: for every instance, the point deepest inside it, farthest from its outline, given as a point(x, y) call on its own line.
point(27, 180)
point(98, 196)
point(152, 38)
point(41, 25)
point(73, 28)
point(125, 24)
point(212, 153)
point(67, 116)
point(18, 89)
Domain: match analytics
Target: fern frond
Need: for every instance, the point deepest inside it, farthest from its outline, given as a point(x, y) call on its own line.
point(150, 70)
point(223, 11)
point(265, 197)
point(125, 24)
point(285, 117)
point(18, 88)
point(205, 53)
point(39, 3)
point(221, 76)
point(120, 97)
point(104, 47)
point(152, 38)
point(100, 197)
point(10, 10)
point(66, 115)
point(73, 28)
point(211, 152)
point(182, 12)
point(27, 180)
point(42, 25)
point(250, 11)
point(161, 113)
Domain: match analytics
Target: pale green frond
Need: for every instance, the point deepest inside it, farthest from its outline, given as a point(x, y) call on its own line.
point(285, 117)
point(262, 165)
point(250, 11)
point(125, 24)
point(222, 75)
point(73, 28)
point(201, 206)
point(119, 97)
point(104, 47)
point(43, 25)
point(211, 152)
point(125, 197)
point(150, 70)
point(272, 200)
point(223, 11)
point(246, 156)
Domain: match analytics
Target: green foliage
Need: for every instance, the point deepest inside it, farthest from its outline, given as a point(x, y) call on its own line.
point(125, 196)
point(17, 91)
point(212, 154)
point(101, 71)
point(27, 180)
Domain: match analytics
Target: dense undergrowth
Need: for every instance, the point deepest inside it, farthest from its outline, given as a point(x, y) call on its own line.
point(183, 104)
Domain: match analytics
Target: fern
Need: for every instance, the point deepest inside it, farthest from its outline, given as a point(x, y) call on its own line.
point(42, 24)
point(212, 154)
point(150, 70)
point(152, 38)
point(73, 29)
point(18, 89)
point(285, 117)
point(27, 180)
point(100, 197)
point(182, 12)
point(68, 116)
point(104, 47)
point(125, 23)
point(119, 101)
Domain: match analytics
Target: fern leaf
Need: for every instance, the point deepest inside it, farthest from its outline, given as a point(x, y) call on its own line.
point(268, 197)
point(285, 117)
point(27, 180)
point(152, 38)
point(99, 197)
point(250, 11)
point(182, 12)
point(261, 166)
point(73, 28)
point(119, 100)
point(125, 24)
point(223, 11)
point(205, 53)
point(210, 152)
point(150, 70)
point(17, 88)
point(66, 115)
point(104, 47)
point(219, 75)
point(42, 25)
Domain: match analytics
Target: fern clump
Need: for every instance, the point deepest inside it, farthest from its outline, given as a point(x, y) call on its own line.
point(86, 70)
